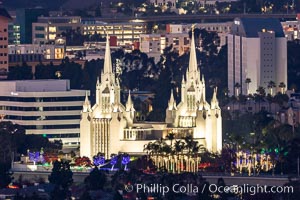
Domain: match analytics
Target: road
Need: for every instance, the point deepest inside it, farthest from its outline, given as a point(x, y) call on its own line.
point(212, 179)
point(195, 18)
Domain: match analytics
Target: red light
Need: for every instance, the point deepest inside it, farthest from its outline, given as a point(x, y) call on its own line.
point(13, 187)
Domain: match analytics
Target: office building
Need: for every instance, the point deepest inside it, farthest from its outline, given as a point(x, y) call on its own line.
point(14, 32)
point(45, 107)
point(126, 33)
point(4, 20)
point(24, 18)
point(47, 29)
point(35, 52)
point(257, 51)
point(153, 45)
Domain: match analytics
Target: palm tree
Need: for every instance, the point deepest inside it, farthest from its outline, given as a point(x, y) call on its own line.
point(178, 146)
point(271, 85)
point(261, 91)
point(171, 137)
point(248, 81)
point(189, 143)
point(282, 87)
point(148, 148)
point(259, 96)
point(237, 87)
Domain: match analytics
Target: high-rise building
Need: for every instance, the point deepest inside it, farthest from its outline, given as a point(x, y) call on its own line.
point(4, 19)
point(14, 35)
point(24, 18)
point(110, 126)
point(257, 55)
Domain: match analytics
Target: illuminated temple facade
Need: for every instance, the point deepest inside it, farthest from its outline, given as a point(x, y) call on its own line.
point(109, 126)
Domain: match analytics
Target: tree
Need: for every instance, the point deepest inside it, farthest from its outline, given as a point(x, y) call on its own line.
point(99, 159)
point(261, 91)
point(96, 180)
point(248, 81)
point(178, 146)
point(125, 160)
point(23, 72)
point(271, 85)
point(14, 142)
point(5, 175)
point(237, 87)
point(73, 72)
point(61, 178)
point(282, 87)
point(171, 137)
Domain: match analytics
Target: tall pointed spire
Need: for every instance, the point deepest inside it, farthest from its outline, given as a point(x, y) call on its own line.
point(182, 81)
point(107, 58)
point(172, 102)
point(129, 104)
point(86, 104)
point(98, 81)
point(214, 101)
point(193, 67)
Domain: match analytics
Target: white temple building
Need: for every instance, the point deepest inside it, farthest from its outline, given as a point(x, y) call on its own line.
point(109, 126)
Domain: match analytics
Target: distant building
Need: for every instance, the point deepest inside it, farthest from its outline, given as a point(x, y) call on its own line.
point(126, 32)
point(45, 107)
point(152, 44)
point(25, 17)
point(14, 32)
point(164, 4)
point(236, 108)
point(257, 51)
point(179, 41)
point(4, 20)
point(221, 28)
point(46, 29)
point(291, 29)
point(35, 52)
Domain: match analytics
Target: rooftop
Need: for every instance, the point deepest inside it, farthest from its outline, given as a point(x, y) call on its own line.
point(250, 27)
point(47, 85)
point(4, 13)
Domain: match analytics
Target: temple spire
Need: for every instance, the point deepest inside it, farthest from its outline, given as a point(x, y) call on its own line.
point(86, 104)
point(214, 101)
point(193, 67)
point(98, 81)
point(129, 104)
point(107, 58)
point(182, 81)
point(172, 102)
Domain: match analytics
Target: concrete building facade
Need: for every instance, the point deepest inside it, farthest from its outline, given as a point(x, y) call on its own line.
point(4, 20)
point(257, 51)
point(45, 107)
point(126, 33)
point(35, 52)
point(46, 29)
